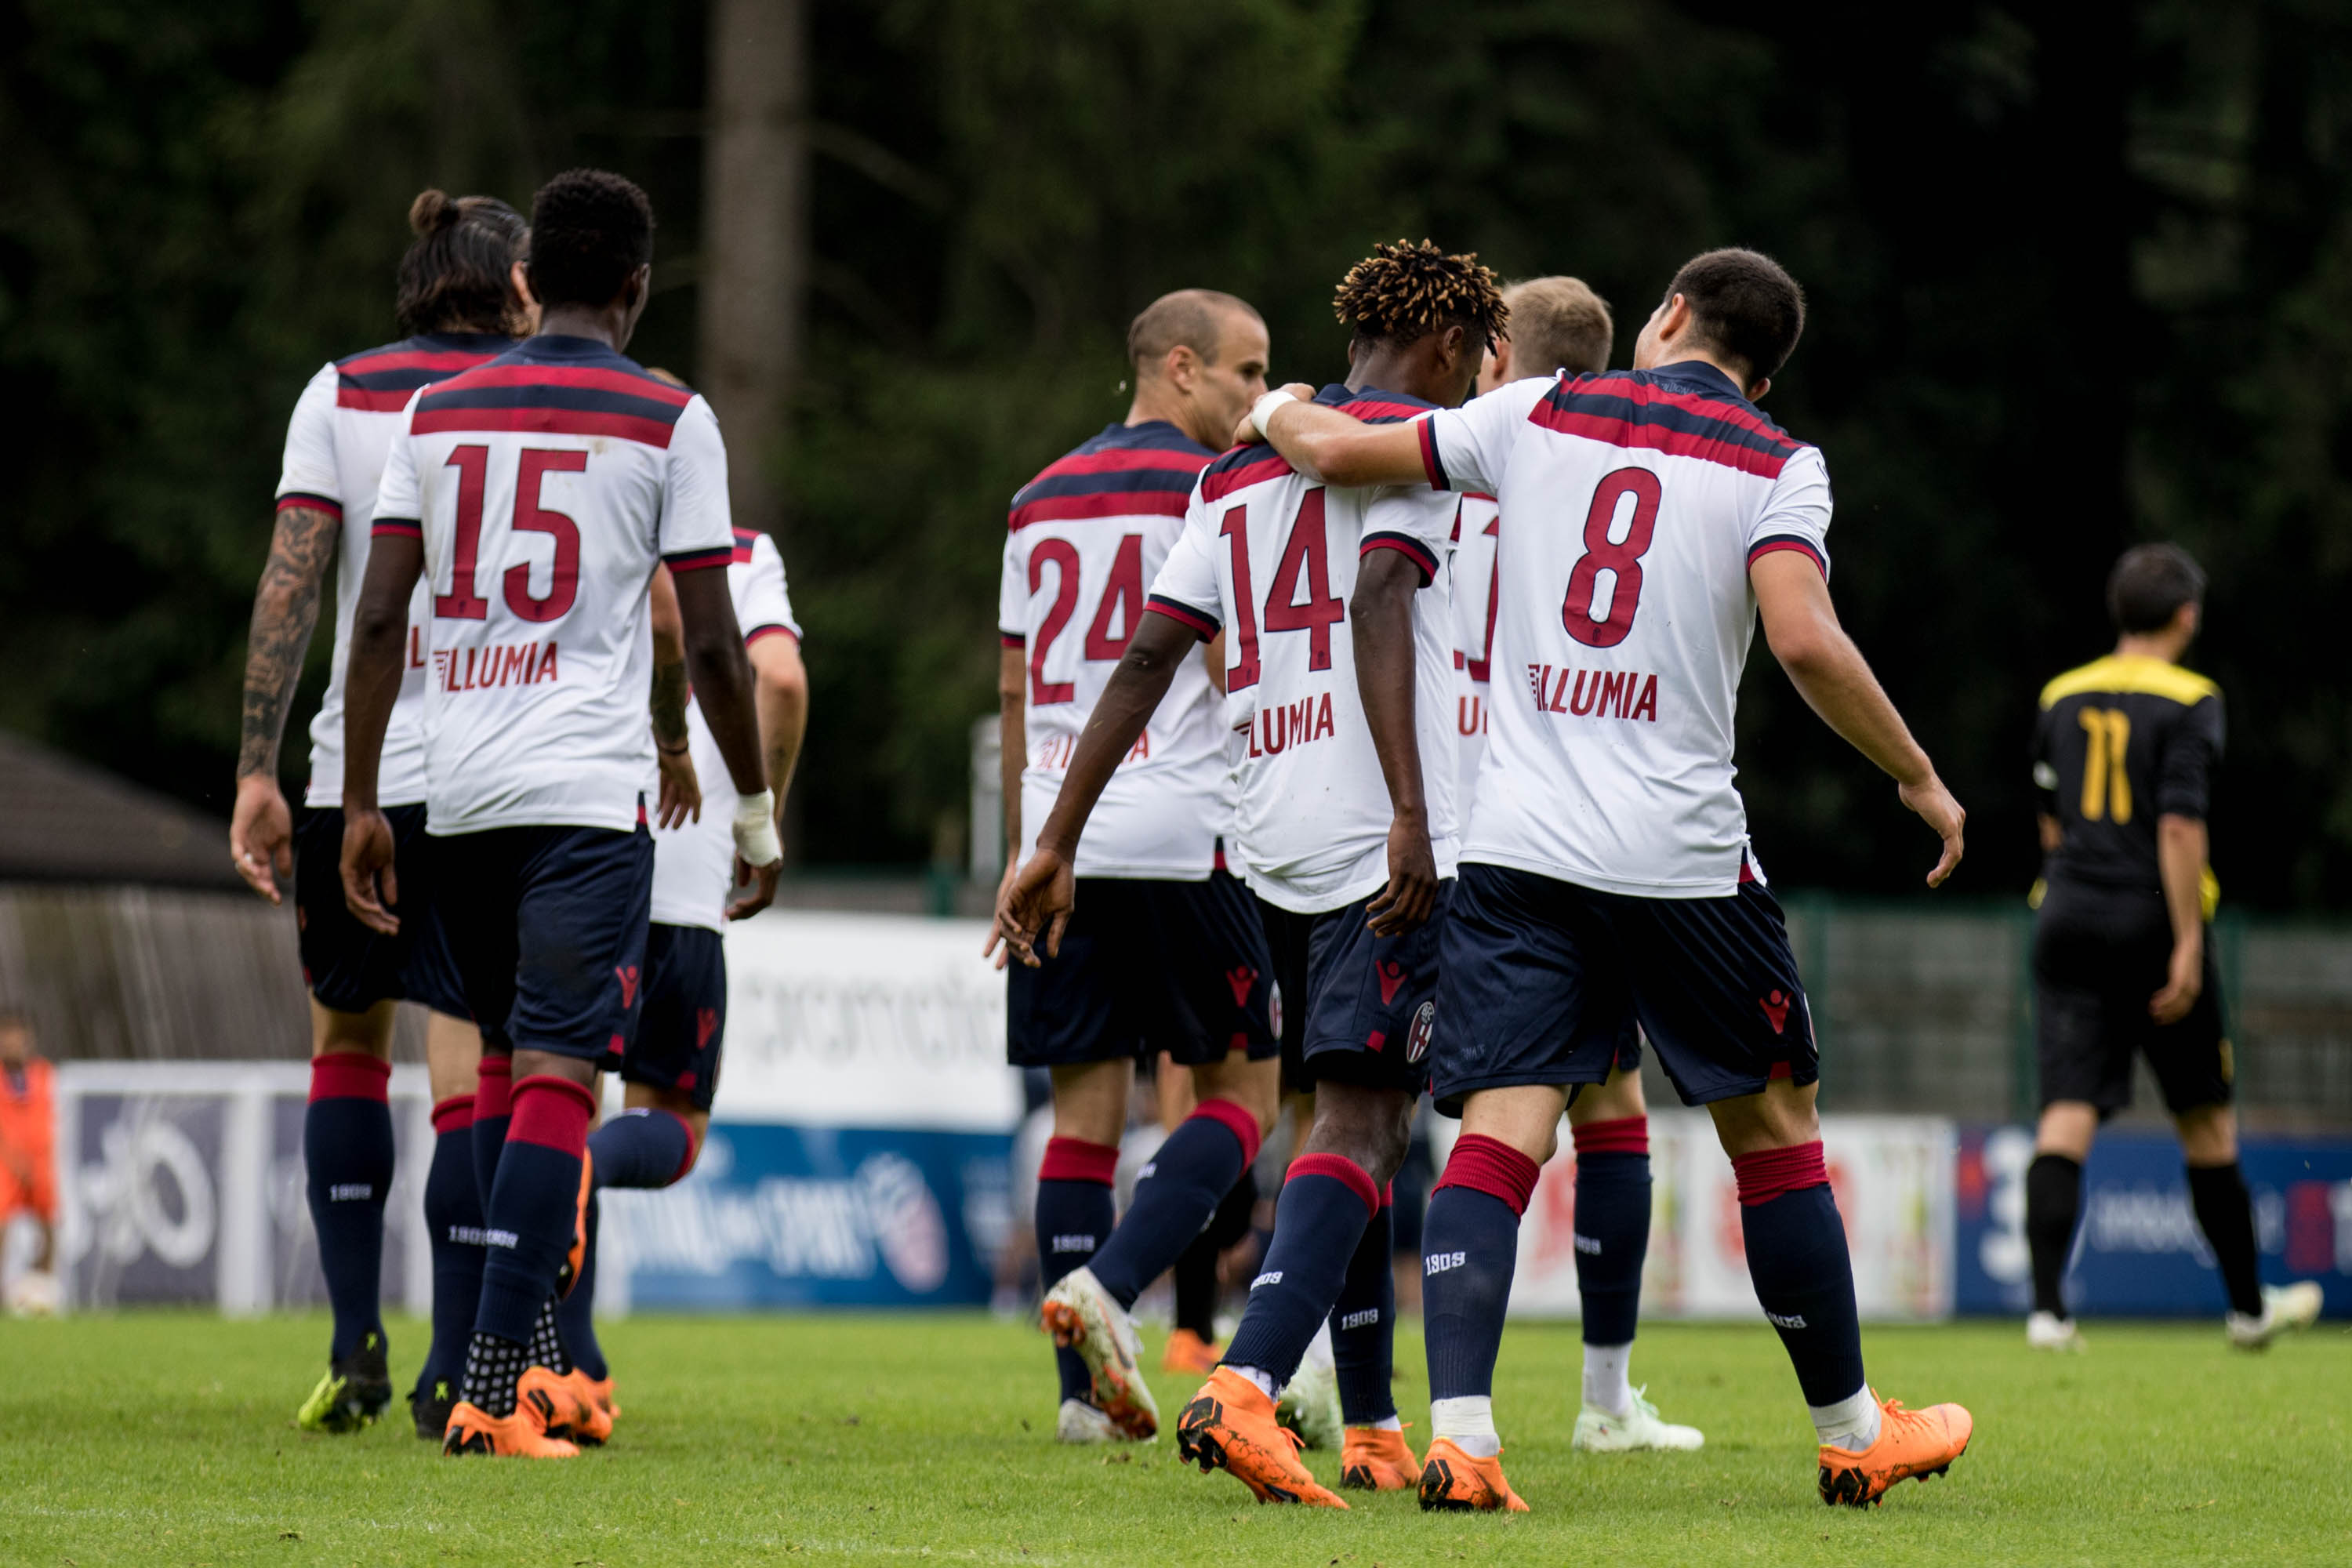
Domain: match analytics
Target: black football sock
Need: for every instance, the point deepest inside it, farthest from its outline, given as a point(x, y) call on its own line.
point(547, 1340)
point(493, 1366)
point(1803, 1275)
point(575, 1315)
point(347, 1155)
point(642, 1147)
point(1076, 1211)
point(1613, 1226)
point(1363, 1326)
point(1175, 1197)
point(1327, 1202)
point(2053, 1198)
point(2226, 1215)
point(452, 1222)
point(1195, 1273)
point(493, 1111)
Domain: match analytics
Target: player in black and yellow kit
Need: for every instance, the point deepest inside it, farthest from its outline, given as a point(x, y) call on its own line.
point(2123, 758)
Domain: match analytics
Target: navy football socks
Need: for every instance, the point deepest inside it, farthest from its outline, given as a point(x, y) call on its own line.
point(453, 1223)
point(642, 1147)
point(1175, 1197)
point(347, 1154)
point(1075, 1215)
point(493, 1110)
point(1470, 1250)
point(1195, 1272)
point(2053, 1198)
point(1327, 1203)
point(1797, 1260)
point(1364, 1324)
point(1612, 1224)
point(532, 1210)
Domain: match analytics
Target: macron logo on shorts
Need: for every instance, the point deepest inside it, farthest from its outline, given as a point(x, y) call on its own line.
point(1775, 1008)
point(1439, 1262)
point(1392, 977)
point(1241, 980)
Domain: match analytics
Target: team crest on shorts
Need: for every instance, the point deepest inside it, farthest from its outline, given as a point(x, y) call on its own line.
point(1416, 1039)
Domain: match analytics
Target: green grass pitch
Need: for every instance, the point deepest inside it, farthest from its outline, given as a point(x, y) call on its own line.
point(166, 1439)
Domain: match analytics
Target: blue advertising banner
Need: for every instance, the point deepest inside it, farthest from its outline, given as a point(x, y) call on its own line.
point(798, 1217)
point(2138, 1250)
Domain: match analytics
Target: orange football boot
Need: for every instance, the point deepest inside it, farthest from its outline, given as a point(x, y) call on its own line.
point(473, 1432)
point(1230, 1425)
point(1188, 1352)
point(1453, 1481)
point(1375, 1459)
point(567, 1407)
point(1920, 1442)
point(575, 1257)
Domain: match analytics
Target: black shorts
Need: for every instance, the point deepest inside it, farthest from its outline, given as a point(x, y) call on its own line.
point(683, 1022)
point(1146, 967)
point(1356, 1008)
point(1542, 981)
point(548, 927)
point(348, 967)
point(2099, 954)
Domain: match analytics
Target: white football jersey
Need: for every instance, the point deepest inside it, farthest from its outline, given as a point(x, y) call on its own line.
point(342, 426)
point(694, 864)
point(1475, 575)
point(546, 484)
point(1085, 538)
point(1271, 558)
point(1637, 500)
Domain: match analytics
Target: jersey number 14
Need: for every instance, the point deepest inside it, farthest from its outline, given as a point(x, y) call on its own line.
point(1306, 557)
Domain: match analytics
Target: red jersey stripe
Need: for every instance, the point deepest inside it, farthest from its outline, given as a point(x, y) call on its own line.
point(544, 422)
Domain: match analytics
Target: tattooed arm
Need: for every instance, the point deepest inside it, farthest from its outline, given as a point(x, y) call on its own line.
point(285, 610)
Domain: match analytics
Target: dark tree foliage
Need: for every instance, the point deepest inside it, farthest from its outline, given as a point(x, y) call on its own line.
point(2079, 275)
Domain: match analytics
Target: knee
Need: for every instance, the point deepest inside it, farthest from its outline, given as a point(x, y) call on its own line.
point(2209, 1135)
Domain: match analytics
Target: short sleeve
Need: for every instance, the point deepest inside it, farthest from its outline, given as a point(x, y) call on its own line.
point(2184, 770)
point(1012, 592)
point(764, 602)
point(695, 529)
point(399, 501)
point(1466, 449)
point(1796, 515)
point(1419, 524)
point(1186, 589)
point(309, 476)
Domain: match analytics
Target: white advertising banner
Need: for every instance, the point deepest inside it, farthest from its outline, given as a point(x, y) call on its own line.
point(1892, 1175)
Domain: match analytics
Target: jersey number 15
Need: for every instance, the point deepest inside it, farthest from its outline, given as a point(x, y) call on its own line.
point(462, 603)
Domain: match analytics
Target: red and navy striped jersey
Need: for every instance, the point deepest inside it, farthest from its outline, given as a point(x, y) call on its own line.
point(1636, 502)
point(1271, 559)
point(1085, 539)
point(335, 444)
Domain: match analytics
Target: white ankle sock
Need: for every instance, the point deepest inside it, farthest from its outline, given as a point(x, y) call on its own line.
point(1388, 1423)
point(1606, 1386)
point(1318, 1348)
point(1263, 1379)
point(1851, 1424)
point(1469, 1423)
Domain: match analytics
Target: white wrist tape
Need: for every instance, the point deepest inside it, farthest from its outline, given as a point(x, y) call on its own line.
point(755, 830)
point(1263, 409)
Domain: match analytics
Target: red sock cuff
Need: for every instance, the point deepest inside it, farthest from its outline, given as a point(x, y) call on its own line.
point(494, 1087)
point(1342, 1169)
point(1625, 1135)
point(553, 1112)
point(350, 1075)
point(692, 1143)
point(1075, 1160)
point(453, 1114)
point(1489, 1166)
point(1769, 1172)
point(1388, 1194)
point(1236, 1121)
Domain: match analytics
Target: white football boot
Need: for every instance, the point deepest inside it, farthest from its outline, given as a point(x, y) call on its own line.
point(2049, 1331)
point(1309, 1405)
point(1082, 1316)
point(1600, 1431)
point(2284, 1307)
point(1080, 1422)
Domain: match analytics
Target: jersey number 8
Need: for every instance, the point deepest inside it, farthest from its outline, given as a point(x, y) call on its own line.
point(1602, 553)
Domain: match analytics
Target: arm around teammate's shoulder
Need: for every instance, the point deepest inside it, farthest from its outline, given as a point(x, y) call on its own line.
point(1801, 625)
point(1326, 445)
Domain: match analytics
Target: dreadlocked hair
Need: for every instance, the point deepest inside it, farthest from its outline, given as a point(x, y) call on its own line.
point(1402, 292)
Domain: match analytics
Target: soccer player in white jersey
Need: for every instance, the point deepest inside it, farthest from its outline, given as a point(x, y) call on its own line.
point(1559, 324)
point(1651, 515)
point(1167, 953)
point(671, 1065)
point(459, 305)
point(536, 494)
point(1335, 609)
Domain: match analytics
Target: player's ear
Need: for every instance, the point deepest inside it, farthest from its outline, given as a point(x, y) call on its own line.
point(1756, 393)
point(1181, 367)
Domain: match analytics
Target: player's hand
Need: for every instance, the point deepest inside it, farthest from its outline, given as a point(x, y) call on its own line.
point(760, 880)
point(1039, 898)
point(261, 835)
point(1940, 812)
point(1412, 894)
point(1004, 886)
point(2184, 982)
point(370, 888)
point(681, 790)
point(1246, 433)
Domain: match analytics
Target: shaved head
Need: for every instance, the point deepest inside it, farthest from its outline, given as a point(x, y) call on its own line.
point(1190, 318)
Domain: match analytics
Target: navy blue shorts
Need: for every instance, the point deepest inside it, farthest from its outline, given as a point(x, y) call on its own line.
point(1146, 967)
point(683, 1021)
point(1356, 1008)
point(548, 927)
point(1542, 981)
point(348, 967)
